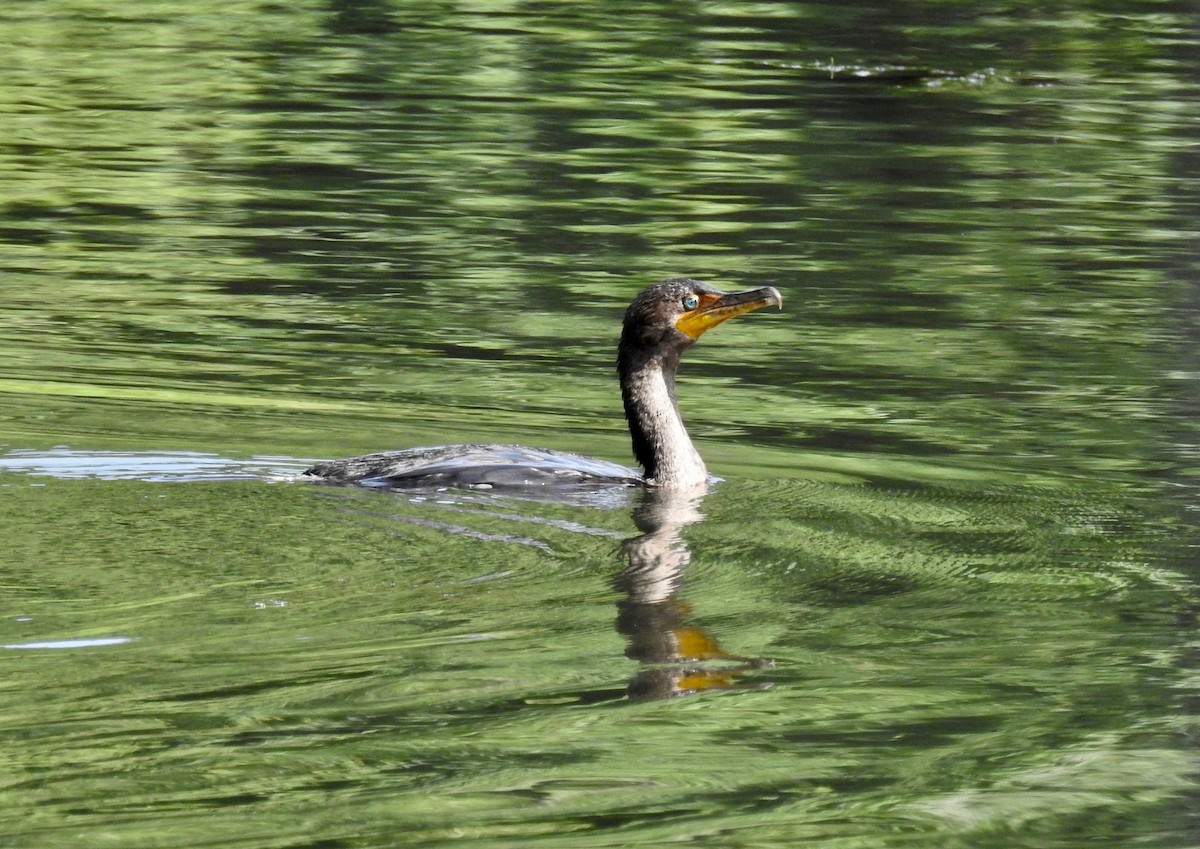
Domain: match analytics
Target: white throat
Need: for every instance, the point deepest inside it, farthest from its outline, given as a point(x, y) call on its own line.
point(677, 463)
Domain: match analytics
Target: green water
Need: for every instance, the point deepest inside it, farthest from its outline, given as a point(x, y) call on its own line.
point(945, 595)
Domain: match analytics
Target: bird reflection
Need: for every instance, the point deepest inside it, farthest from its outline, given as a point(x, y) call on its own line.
point(679, 658)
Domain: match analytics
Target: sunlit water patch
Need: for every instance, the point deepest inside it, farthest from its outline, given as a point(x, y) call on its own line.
point(82, 643)
point(147, 466)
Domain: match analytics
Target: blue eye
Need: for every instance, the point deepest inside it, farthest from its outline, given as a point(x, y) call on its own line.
point(691, 302)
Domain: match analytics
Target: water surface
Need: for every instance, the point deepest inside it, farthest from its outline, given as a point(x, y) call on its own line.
point(945, 594)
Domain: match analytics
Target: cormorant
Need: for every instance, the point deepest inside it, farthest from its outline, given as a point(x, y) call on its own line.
point(660, 324)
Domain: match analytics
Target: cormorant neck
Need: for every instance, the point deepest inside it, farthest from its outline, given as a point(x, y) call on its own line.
point(660, 441)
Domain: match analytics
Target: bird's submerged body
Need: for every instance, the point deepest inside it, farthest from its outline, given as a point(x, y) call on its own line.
point(663, 321)
point(477, 466)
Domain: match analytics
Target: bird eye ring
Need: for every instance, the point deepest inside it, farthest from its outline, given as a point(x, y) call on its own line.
point(691, 302)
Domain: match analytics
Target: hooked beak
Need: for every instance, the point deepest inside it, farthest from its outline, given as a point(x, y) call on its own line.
point(716, 308)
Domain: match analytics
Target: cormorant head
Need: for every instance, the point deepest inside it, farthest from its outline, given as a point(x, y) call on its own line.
point(673, 313)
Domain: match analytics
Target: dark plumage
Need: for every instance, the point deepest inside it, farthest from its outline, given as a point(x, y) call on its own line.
point(660, 324)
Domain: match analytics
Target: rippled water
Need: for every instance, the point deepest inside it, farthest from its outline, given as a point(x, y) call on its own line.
point(944, 596)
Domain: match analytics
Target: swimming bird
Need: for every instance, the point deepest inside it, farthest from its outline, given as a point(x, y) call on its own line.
point(663, 321)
